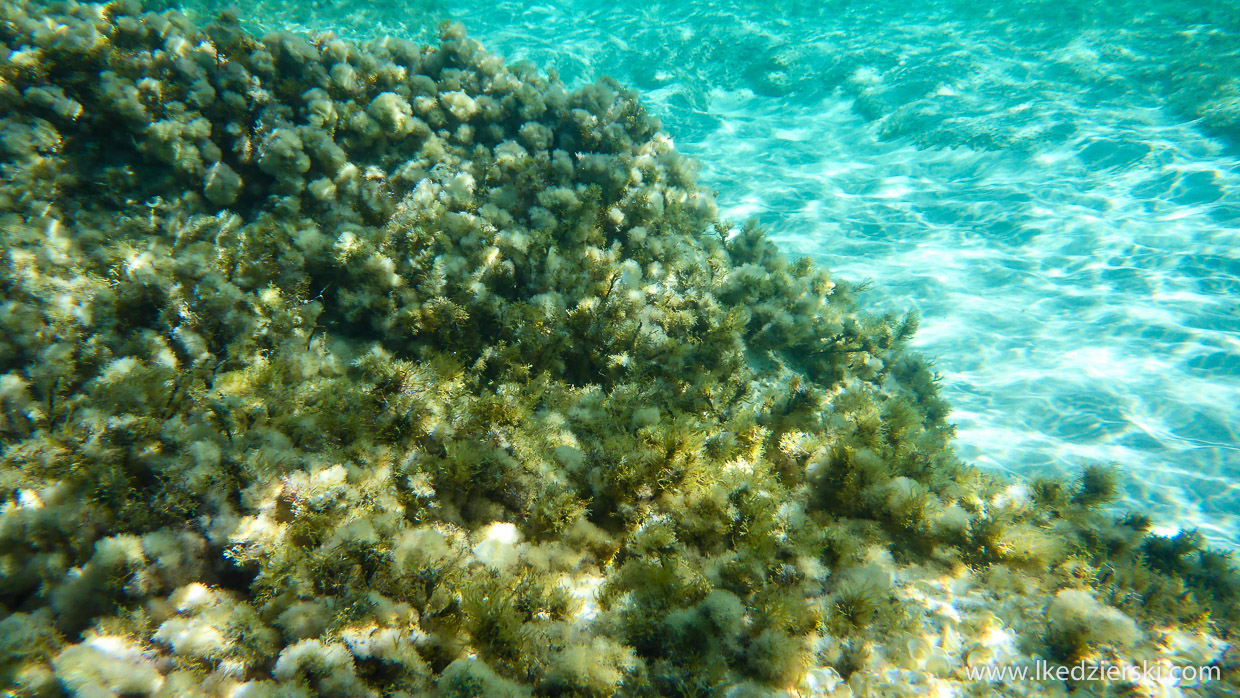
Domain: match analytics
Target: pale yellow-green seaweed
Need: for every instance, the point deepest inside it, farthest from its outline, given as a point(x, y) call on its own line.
point(345, 370)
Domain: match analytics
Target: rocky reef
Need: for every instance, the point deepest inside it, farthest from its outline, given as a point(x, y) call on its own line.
point(343, 370)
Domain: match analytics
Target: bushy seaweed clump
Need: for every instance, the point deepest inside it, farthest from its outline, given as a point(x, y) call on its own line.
point(341, 370)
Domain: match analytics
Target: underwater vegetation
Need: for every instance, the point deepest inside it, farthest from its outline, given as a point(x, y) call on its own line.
point(388, 369)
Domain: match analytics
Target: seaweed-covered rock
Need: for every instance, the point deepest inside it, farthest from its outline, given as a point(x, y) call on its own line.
point(375, 370)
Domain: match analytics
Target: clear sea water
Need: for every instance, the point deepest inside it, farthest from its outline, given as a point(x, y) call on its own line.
point(1054, 185)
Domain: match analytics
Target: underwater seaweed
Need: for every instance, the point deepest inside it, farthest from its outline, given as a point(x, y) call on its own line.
point(388, 369)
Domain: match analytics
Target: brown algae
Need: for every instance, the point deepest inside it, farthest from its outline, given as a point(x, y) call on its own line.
point(345, 370)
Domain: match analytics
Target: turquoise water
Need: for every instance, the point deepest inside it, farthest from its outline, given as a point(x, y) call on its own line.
point(1055, 188)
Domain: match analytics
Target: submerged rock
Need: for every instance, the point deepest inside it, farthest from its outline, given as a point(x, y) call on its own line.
point(377, 370)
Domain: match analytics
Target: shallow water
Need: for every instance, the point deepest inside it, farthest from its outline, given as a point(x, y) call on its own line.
point(1032, 177)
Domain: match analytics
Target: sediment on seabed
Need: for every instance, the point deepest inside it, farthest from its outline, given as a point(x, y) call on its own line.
point(330, 369)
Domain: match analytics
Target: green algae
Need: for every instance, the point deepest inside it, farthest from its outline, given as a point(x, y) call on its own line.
point(387, 369)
